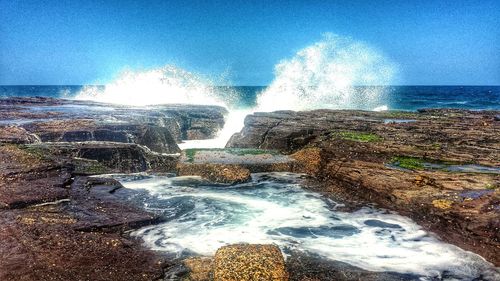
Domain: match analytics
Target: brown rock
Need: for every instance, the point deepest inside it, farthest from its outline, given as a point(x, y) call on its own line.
point(16, 135)
point(249, 262)
point(56, 231)
point(218, 173)
point(200, 268)
point(309, 160)
point(356, 160)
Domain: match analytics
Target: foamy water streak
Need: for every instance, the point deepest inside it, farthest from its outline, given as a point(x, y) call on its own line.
point(273, 208)
point(167, 85)
point(234, 123)
point(324, 75)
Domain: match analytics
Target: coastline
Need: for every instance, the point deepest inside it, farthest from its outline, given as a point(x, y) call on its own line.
point(48, 199)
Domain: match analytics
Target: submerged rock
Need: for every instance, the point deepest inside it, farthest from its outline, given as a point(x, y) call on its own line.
point(304, 266)
point(249, 262)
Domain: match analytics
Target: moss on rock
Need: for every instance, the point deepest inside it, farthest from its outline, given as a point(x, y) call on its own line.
point(357, 136)
point(410, 163)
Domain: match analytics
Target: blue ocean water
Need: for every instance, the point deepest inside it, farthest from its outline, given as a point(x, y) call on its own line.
point(396, 97)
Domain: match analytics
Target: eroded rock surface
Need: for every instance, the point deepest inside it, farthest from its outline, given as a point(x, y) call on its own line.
point(441, 167)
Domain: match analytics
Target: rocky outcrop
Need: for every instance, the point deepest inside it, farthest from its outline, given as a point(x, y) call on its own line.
point(249, 262)
point(56, 224)
point(59, 119)
point(457, 135)
point(90, 158)
point(440, 167)
point(156, 138)
point(27, 178)
point(255, 160)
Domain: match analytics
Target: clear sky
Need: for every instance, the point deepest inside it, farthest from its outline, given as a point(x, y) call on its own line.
point(82, 42)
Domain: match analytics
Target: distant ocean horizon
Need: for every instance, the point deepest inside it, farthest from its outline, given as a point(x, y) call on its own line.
point(395, 97)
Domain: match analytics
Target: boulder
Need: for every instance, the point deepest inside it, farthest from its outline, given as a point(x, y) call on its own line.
point(245, 262)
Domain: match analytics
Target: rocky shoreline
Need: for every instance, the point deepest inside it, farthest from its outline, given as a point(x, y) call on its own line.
point(439, 167)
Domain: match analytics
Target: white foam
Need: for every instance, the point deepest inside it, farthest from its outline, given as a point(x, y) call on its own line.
point(279, 211)
point(166, 85)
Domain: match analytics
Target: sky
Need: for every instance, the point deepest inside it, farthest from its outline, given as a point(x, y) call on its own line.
point(89, 42)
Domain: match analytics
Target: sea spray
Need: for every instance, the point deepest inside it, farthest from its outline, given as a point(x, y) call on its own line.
point(166, 85)
point(325, 75)
point(322, 75)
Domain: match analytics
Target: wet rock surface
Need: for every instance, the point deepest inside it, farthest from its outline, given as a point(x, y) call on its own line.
point(59, 224)
point(89, 158)
point(231, 165)
point(304, 267)
point(215, 173)
point(399, 165)
point(157, 127)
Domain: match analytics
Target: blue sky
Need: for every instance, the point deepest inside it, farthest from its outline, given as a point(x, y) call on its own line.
point(82, 42)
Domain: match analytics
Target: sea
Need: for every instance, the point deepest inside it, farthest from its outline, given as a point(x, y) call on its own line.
point(395, 97)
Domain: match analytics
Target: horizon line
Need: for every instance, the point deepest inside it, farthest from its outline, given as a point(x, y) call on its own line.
point(392, 85)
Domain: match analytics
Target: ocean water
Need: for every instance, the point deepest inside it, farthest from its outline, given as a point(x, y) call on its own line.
point(394, 97)
point(199, 217)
